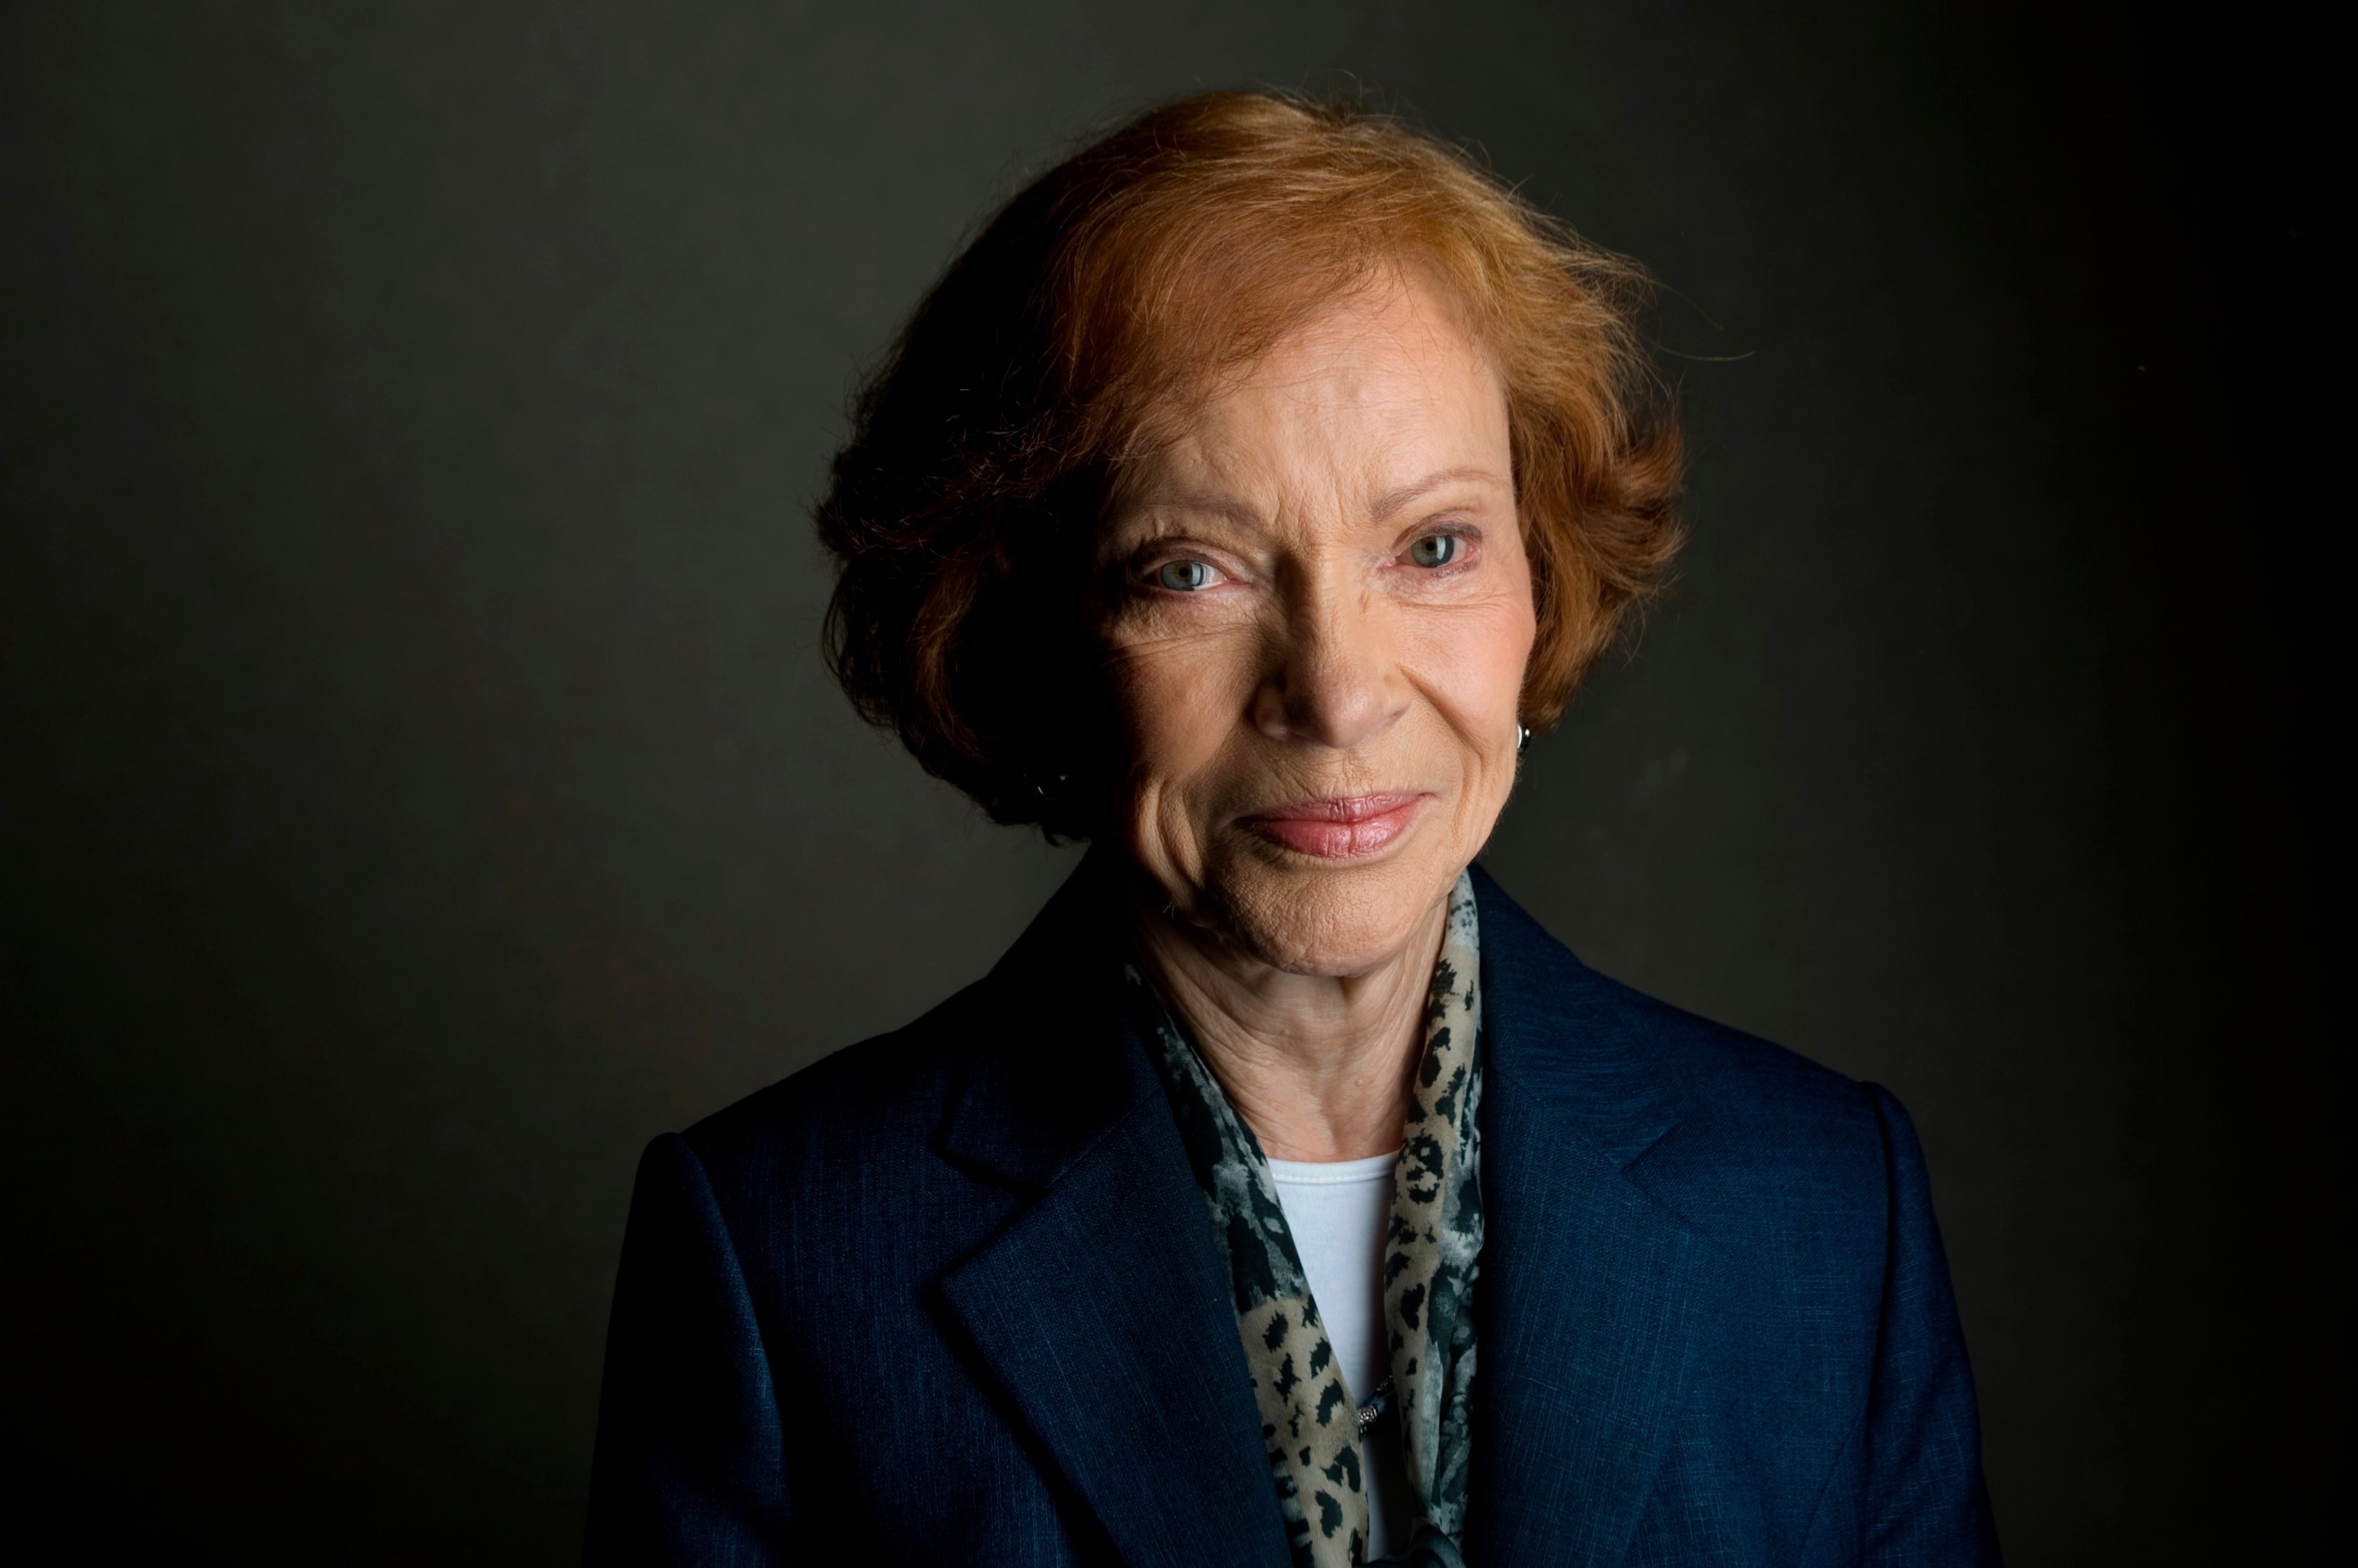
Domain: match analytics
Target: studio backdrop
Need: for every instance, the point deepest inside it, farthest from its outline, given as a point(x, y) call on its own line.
point(420, 784)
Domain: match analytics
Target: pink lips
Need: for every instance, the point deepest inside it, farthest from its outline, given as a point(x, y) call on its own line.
point(1339, 827)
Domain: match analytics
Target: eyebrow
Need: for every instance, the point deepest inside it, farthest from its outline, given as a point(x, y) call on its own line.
point(1393, 500)
point(1385, 505)
point(1181, 501)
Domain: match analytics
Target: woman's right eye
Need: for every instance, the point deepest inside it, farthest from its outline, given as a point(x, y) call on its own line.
point(1183, 577)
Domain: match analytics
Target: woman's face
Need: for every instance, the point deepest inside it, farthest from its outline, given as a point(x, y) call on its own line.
point(1318, 644)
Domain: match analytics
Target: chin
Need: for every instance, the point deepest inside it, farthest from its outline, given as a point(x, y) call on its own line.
point(1332, 918)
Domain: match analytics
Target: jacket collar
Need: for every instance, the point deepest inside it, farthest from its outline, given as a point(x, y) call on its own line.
point(1053, 1075)
point(1593, 1291)
point(1100, 1310)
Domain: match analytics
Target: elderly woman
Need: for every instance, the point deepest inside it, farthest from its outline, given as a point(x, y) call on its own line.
point(1239, 502)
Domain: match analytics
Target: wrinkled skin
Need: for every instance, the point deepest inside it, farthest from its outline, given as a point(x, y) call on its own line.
point(1317, 651)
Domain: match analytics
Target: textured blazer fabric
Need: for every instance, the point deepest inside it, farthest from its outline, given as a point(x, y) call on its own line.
point(949, 1297)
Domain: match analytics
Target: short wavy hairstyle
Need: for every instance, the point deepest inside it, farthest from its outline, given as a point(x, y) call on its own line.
point(1093, 311)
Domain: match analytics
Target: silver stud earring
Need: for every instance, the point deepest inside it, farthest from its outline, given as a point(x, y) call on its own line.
point(1522, 740)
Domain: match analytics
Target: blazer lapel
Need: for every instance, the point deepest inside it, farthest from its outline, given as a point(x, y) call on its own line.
point(1100, 1310)
point(1592, 1291)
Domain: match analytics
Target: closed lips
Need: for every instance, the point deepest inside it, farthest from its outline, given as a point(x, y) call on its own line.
point(1336, 827)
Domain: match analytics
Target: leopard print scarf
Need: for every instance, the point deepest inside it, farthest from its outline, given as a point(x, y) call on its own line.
point(1309, 1419)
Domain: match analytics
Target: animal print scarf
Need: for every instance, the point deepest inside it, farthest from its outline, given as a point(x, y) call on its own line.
point(1310, 1421)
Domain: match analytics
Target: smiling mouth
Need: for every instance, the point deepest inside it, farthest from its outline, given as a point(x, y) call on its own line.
point(1339, 828)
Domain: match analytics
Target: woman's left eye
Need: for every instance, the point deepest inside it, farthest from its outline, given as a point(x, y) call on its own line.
point(1437, 549)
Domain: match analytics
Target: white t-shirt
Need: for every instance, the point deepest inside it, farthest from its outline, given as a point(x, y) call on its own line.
point(1337, 1212)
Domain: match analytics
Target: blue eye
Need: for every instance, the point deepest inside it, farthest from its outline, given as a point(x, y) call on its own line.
point(1435, 549)
point(1183, 577)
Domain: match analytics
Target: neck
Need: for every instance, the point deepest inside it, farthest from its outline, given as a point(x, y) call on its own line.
point(1318, 1066)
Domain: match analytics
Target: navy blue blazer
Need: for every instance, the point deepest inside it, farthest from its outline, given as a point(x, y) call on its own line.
point(948, 1297)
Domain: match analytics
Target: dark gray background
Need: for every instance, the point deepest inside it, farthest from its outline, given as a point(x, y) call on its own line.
point(420, 785)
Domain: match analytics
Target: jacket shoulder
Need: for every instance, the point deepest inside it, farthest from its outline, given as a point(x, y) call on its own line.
point(866, 1108)
point(1754, 1119)
point(1735, 1081)
point(1716, 1121)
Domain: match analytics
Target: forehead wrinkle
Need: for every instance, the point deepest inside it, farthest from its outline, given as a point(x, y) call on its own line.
point(1201, 487)
point(1368, 416)
point(1321, 427)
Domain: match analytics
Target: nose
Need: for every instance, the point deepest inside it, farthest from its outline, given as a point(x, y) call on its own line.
point(1331, 678)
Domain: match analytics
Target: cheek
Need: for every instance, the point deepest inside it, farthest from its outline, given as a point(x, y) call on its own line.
point(1514, 635)
point(1478, 666)
point(1517, 661)
point(1175, 702)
